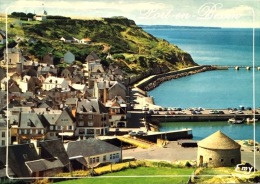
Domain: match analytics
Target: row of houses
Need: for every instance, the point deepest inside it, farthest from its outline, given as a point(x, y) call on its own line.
point(77, 101)
point(15, 56)
point(50, 157)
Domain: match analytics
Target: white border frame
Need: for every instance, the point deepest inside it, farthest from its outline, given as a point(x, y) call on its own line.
point(138, 176)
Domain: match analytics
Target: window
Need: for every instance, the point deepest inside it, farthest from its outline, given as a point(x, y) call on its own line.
point(81, 116)
point(70, 127)
point(111, 157)
point(221, 160)
point(3, 142)
point(25, 156)
point(210, 159)
point(81, 123)
point(51, 127)
point(90, 116)
point(90, 123)
point(81, 131)
point(38, 131)
point(93, 160)
point(3, 134)
point(59, 127)
point(97, 159)
point(114, 156)
point(117, 155)
point(232, 161)
point(90, 131)
point(104, 158)
point(29, 123)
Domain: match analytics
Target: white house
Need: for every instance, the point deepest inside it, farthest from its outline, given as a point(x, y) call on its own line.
point(69, 39)
point(23, 84)
point(40, 17)
point(80, 87)
point(55, 82)
point(92, 152)
point(69, 57)
point(3, 134)
point(3, 83)
point(85, 40)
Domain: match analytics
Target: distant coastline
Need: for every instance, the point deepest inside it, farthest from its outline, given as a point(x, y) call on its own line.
point(175, 27)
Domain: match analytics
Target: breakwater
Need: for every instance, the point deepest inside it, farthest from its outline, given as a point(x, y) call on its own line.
point(198, 118)
point(154, 81)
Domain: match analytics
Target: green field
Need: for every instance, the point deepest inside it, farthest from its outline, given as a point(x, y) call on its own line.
point(140, 171)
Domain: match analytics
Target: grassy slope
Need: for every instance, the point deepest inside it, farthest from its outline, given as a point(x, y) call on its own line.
point(139, 172)
point(134, 49)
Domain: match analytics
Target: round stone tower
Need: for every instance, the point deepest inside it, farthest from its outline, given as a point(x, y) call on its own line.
point(218, 150)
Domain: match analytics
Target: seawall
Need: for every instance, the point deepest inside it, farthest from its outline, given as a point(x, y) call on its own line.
point(153, 81)
point(198, 118)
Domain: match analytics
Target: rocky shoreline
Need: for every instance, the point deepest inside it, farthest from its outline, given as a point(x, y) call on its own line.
point(161, 79)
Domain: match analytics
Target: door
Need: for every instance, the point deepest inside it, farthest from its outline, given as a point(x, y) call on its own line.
point(201, 160)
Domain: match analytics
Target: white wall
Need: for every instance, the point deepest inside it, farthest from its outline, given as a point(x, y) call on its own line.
point(3, 140)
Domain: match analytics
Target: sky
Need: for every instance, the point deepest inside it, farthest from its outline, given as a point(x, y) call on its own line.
point(214, 13)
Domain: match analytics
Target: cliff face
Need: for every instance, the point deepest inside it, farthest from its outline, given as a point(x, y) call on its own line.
point(133, 49)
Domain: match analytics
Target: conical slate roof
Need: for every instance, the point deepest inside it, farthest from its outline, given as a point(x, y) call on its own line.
point(218, 140)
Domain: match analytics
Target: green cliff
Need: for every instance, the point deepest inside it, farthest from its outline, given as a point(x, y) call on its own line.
point(133, 49)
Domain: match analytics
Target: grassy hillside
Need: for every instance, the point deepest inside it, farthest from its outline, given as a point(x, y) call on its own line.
point(133, 49)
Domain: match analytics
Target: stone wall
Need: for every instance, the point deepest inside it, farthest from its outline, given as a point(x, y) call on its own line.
point(219, 158)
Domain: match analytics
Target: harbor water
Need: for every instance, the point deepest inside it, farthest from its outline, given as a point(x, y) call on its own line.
point(214, 89)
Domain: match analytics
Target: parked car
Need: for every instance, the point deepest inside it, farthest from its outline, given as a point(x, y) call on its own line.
point(221, 112)
point(232, 112)
point(132, 133)
point(211, 112)
point(140, 132)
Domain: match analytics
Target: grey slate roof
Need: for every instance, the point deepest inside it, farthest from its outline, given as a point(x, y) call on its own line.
point(91, 105)
point(90, 147)
point(52, 149)
point(92, 57)
point(3, 172)
point(71, 101)
point(18, 155)
point(43, 164)
point(51, 118)
point(35, 120)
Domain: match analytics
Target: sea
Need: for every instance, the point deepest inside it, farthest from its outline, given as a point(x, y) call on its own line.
point(214, 89)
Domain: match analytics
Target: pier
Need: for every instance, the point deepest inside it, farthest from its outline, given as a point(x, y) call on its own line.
point(226, 67)
point(166, 116)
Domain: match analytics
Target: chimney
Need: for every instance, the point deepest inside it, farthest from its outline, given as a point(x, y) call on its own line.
point(38, 149)
point(105, 92)
point(19, 67)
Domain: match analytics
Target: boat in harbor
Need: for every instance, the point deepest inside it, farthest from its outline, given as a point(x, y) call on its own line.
point(235, 121)
point(251, 120)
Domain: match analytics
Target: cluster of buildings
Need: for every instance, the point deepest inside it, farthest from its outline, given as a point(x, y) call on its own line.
point(63, 110)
